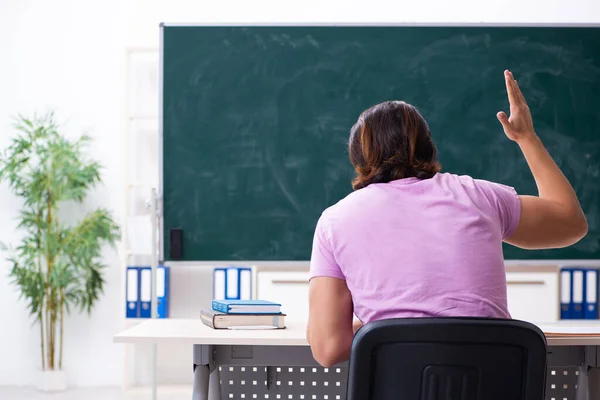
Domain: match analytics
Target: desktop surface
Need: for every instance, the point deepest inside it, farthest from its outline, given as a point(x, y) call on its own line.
point(193, 331)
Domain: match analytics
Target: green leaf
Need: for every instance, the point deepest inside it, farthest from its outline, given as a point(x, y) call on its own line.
point(53, 262)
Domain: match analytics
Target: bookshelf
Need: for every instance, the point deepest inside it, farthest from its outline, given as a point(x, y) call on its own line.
point(141, 177)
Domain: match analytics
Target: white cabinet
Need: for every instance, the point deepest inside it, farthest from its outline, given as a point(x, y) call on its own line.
point(533, 296)
point(533, 293)
point(290, 288)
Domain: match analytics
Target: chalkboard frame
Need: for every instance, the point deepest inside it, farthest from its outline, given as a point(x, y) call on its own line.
point(302, 264)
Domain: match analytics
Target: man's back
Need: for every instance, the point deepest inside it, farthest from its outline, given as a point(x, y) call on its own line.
point(412, 248)
point(413, 242)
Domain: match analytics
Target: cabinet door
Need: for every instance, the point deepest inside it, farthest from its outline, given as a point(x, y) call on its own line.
point(288, 288)
point(533, 296)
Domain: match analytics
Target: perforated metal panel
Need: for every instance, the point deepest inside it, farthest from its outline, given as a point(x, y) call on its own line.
point(293, 383)
point(316, 383)
point(561, 383)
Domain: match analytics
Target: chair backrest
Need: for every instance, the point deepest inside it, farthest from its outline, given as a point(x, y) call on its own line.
point(447, 359)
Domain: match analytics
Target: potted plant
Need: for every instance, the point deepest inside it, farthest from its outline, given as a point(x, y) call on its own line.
point(56, 265)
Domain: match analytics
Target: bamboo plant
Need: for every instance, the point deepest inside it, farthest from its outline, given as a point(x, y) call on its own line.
point(56, 265)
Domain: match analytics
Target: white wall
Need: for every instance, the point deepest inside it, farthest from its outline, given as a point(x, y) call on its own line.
point(69, 55)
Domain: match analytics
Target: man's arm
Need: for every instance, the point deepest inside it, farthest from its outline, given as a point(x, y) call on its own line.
point(554, 218)
point(330, 328)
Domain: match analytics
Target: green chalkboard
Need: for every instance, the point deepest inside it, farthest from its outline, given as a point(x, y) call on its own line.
point(256, 120)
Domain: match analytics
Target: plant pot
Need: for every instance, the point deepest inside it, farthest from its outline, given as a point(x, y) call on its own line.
point(52, 381)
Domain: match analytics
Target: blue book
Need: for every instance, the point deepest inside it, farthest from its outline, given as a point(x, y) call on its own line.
point(566, 288)
point(591, 294)
point(246, 307)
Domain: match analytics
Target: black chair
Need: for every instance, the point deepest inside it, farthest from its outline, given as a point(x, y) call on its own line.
point(447, 359)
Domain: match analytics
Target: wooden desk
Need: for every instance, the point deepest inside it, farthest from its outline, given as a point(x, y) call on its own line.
point(569, 344)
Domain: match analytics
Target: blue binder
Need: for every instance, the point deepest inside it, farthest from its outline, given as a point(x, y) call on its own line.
point(232, 283)
point(591, 294)
point(566, 288)
point(219, 283)
point(245, 285)
point(132, 289)
point(577, 293)
point(139, 292)
point(145, 292)
point(162, 291)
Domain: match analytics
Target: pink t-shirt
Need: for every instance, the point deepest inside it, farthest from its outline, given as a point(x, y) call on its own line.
point(420, 248)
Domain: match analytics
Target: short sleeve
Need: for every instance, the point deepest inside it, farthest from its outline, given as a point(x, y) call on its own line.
point(322, 260)
point(507, 204)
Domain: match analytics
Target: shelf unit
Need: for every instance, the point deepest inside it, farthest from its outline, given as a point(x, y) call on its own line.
point(190, 286)
point(141, 176)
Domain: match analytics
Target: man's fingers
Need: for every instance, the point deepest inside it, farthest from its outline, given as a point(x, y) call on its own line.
point(510, 89)
point(517, 90)
point(519, 93)
point(503, 119)
point(505, 122)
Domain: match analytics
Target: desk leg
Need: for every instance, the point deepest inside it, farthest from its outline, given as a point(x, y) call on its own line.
point(207, 378)
point(594, 383)
point(214, 384)
point(201, 382)
point(207, 383)
point(588, 383)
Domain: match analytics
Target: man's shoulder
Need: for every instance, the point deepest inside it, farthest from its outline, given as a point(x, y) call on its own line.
point(349, 202)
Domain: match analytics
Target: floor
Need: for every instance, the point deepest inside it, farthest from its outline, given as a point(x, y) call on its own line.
point(19, 393)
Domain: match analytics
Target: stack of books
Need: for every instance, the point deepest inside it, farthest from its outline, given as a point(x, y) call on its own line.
point(243, 314)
